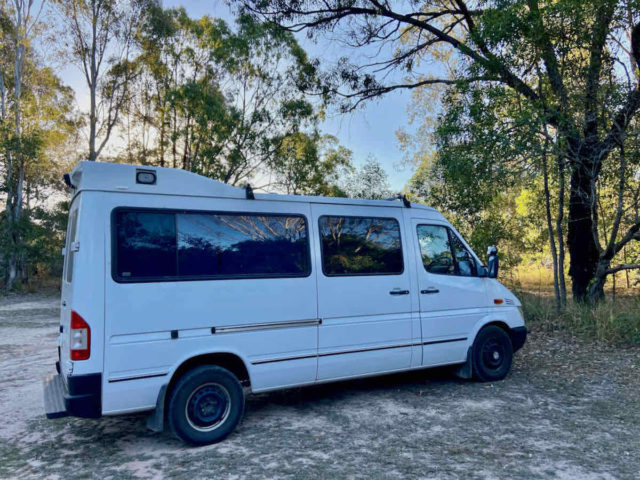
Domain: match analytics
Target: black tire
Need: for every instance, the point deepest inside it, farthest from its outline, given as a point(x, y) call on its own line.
point(205, 405)
point(492, 354)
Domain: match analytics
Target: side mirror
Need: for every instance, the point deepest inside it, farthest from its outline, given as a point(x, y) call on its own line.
point(492, 262)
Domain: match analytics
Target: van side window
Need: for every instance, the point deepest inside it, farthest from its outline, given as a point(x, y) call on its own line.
point(443, 253)
point(168, 245)
point(69, 253)
point(360, 246)
point(146, 244)
point(435, 249)
point(242, 245)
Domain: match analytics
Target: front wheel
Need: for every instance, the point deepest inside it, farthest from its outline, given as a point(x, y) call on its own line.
point(492, 354)
point(206, 405)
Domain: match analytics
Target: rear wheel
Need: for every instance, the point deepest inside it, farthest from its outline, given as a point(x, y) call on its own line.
point(206, 405)
point(492, 354)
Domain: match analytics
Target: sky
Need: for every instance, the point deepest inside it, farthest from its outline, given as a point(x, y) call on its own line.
point(369, 131)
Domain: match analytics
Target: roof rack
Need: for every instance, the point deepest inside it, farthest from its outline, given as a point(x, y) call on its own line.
point(402, 197)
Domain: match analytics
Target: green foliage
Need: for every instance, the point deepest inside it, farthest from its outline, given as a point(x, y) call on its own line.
point(42, 234)
point(310, 164)
point(482, 196)
point(222, 102)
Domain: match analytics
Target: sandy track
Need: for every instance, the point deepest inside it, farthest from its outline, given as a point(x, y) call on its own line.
point(567, 411)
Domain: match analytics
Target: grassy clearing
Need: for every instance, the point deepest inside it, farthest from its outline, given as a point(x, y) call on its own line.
point(614, 320)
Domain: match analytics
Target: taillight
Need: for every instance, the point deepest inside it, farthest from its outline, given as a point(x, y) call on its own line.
point(80, 344)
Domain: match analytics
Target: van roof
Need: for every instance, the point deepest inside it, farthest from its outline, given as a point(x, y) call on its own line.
point(118, 177)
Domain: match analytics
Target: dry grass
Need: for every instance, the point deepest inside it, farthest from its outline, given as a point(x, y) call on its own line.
point(614, 320)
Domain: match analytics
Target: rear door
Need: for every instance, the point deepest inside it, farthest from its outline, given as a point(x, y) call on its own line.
point(452, 296)
point(71, 247)
point(364, 291)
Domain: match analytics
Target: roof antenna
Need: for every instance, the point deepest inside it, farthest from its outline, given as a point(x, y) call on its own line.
point(249, 192)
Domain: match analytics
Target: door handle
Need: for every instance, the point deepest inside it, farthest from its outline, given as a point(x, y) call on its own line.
point(430, 290)
point(397, 291)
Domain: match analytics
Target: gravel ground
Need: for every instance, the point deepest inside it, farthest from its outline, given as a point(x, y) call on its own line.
point(568, 410)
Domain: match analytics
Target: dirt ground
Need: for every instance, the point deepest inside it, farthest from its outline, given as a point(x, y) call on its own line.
point(568, 410)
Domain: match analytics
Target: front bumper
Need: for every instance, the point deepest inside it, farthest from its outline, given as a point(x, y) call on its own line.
point(79, 396)
point(518, 337)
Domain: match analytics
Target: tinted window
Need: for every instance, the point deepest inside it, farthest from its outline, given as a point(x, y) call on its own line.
point(466, 265)
point(435, 249)
point(146, 244)
point(181, 246)
point(237, 245)
point(360, 246)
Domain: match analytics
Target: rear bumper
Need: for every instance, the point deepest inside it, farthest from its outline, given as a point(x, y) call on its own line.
point(79, 396)
point(518, 337)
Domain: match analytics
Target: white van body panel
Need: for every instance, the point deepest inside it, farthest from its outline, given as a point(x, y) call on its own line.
point(287, 331)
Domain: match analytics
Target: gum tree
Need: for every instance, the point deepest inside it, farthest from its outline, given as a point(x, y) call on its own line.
point(554, 56)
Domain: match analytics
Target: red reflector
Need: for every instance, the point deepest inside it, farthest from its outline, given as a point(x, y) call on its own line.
point(498, 301)
point(80, 338)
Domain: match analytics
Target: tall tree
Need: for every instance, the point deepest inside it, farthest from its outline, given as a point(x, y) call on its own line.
point(217, 100)
point(368, 181)
point(556, 57)
point(310, 164)
point(18, 20)
point(101, 36)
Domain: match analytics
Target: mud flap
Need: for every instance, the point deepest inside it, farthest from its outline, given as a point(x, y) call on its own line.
point(155, 421)
point(466, 369)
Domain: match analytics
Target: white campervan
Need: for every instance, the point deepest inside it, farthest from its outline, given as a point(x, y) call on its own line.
point(179, 290)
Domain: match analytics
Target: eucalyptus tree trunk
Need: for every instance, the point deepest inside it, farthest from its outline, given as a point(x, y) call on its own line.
point(583, 261)
point(93, 84)
point(16, 172)
point(560, 231)
point(552, 240)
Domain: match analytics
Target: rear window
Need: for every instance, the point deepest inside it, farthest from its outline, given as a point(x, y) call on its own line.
point(360, 246)
point(146, 245)
point(69, 253)
point(209, 245)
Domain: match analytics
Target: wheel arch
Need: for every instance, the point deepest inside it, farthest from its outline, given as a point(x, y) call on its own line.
point(229, 360)
point(498, 319)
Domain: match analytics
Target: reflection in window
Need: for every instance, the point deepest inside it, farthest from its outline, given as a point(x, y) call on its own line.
point(360, 246)
point(238, 245)
point(464, 261)
point(146, 244)
point(435, 249)
point(208, 245)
